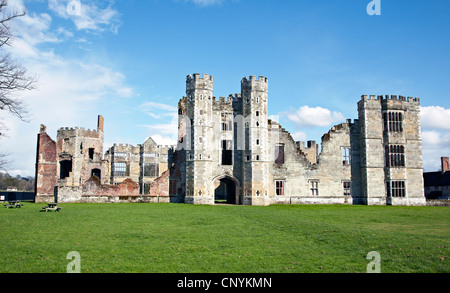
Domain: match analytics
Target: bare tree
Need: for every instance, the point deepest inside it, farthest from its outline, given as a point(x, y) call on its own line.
point(4, 162)
point(13, 76)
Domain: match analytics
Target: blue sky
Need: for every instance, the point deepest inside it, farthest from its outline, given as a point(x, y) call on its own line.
point(128, 60)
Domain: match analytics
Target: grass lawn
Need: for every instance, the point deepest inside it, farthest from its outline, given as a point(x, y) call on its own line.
point(178, 238)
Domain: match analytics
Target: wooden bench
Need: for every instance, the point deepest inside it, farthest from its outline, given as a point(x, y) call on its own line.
point(13, 204)
point(56, 209)
point(52, 207)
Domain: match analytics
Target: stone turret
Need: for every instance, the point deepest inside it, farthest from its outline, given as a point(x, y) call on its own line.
point(256, 156)
point(199, 130)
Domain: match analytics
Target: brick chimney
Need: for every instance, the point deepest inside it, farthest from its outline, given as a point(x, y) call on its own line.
point(100, 123)
point(445, 164)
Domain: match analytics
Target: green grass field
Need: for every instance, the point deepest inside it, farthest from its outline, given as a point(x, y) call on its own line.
point(178, 238)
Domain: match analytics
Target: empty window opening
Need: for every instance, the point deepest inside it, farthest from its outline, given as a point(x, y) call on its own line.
point(347, 188)
point(345, 156)
point(279, 187)
point(173, 187)
point(151, 169)
point(279, 154)
point(91, 153)
point(227, 152)
point(97, 173)
point(314, 187)
point(227, 121)
point(146, 188)
point(65, 167)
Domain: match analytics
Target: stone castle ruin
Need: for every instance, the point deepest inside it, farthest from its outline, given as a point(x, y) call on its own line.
point(229, 151)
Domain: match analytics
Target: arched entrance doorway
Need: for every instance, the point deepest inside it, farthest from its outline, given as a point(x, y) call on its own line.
point(225, 191)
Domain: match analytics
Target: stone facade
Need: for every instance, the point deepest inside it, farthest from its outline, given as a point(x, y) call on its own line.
point(235, 153)
point(229, 151)
point(142, 163)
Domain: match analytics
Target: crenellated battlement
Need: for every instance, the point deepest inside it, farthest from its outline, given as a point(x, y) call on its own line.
point(77, 131)
point(252, 83)
point(389, 97)
point(196, 76)
point(196, 81)
point(253, 78)
point(229, 99)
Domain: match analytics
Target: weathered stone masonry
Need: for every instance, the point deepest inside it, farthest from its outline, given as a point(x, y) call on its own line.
point(228, 151)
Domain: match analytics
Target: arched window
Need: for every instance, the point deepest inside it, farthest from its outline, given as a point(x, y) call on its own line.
point(97, 173)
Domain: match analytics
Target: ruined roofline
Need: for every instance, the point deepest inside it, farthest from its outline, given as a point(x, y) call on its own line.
point(308, 144)
point(389, 97)
point(335, 128)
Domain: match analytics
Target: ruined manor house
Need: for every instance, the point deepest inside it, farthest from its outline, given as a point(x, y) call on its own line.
point(229, 151)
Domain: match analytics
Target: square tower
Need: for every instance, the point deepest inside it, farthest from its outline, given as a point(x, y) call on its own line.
point(391, 150)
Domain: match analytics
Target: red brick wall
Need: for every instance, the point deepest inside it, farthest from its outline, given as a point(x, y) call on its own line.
point(93, 187)
point(161, 185)
point(46, 164)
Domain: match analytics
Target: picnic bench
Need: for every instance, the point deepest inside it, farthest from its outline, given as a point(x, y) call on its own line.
point(52, 207)
point(13, 204)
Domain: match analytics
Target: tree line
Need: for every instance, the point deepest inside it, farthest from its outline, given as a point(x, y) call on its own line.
point(19, 182)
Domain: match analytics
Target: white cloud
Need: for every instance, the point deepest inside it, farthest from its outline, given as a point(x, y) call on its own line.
point(300, 136)
point(90, 17)
point(162, 133)
point(207, 2)
point(435, 117)
point(431, 138)
point(67, 93)
point(159, 132)
point(435, 144)
point(315, 117)
point(158, 106)
point(164, 140)
point(435, 122)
